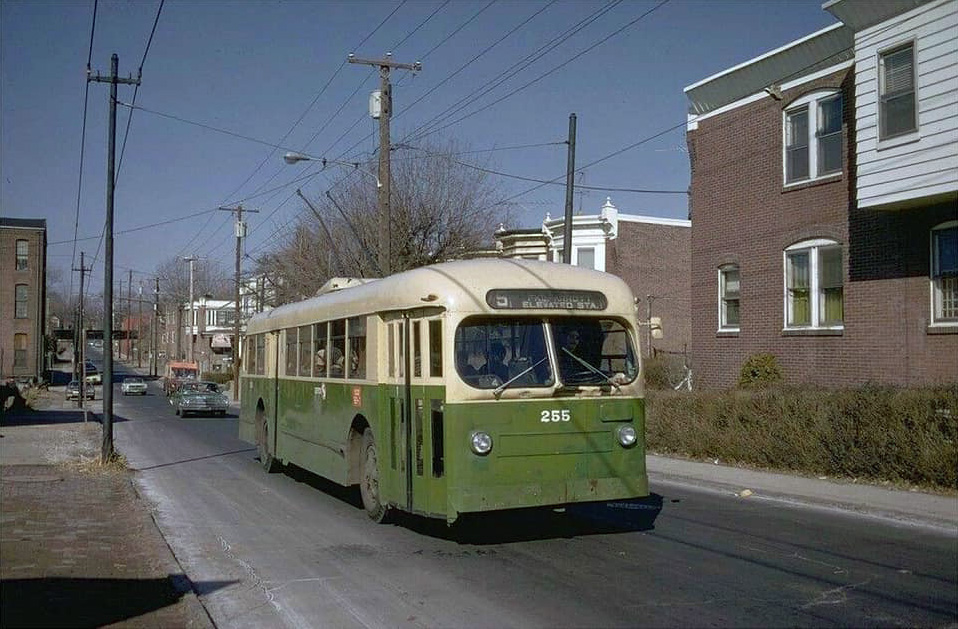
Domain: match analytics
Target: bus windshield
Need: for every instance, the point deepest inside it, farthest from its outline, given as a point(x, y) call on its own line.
point(590, 351)
point(593, 351)
point(494, 350)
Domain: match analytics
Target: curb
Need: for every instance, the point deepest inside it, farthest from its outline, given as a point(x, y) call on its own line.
point(900, 506)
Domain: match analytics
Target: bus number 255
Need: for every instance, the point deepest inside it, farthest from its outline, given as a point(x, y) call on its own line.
point(555, 415)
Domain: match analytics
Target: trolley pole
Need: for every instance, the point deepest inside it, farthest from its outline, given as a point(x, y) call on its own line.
point(384, 114)
point(240, 234)
point(569, 191)
point(107, 450)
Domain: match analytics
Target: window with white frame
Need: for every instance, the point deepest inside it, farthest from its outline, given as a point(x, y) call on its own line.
point(814, 285)
point(813, 137)
point(585, 257)
point(944, 273)
point(729, 297)
point(897, 105)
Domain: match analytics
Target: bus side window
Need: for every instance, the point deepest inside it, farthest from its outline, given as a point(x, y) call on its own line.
point(292, 338)
point(319, 350)
point(357, 347)
point(435, 348)
point(416, 350)
point(337, 348)
point(305, 350)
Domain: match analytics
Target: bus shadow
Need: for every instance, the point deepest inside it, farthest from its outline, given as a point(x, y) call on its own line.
point(513, 525)
point(535, 524)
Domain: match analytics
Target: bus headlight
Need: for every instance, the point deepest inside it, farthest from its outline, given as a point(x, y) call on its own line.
point(480, 442)
point(627, 436)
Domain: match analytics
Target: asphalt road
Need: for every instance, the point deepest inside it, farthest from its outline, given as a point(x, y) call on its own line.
point(289, 550)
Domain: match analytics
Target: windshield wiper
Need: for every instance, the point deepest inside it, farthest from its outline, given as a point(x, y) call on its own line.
point(502, 387)
point(592, 369)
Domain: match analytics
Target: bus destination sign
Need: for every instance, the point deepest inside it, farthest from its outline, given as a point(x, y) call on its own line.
point(545, 299)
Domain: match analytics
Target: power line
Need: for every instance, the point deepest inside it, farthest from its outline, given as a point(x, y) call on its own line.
point(136, 90)
point(550, 72)
point(86, 100)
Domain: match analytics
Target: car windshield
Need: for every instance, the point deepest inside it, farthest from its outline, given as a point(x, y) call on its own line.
point(135, 380)
point(200, 387)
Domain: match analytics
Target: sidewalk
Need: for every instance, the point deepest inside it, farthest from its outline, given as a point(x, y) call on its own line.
point(905, 506)
point(78, 547)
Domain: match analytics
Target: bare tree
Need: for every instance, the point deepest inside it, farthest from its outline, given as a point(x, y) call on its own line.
point(440, 210)
point(210, 277)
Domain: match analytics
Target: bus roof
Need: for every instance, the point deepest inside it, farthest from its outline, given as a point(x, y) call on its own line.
point(459, 286)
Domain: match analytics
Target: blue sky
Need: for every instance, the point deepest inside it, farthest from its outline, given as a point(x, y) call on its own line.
point(254, 68)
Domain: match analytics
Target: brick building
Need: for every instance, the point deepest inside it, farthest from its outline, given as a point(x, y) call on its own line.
point(824, 188)
point(651, 254)
point(23, 256)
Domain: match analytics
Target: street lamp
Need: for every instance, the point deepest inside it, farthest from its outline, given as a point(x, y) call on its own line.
point(292, 158)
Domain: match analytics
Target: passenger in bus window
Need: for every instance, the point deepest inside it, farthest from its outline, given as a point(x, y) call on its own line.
point(498, 363)
point(476, 365)
point(336, 361)
point(568, 350)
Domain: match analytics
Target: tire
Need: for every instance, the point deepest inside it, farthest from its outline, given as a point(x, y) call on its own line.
point(369, 483)
point(266, 459)
point(177, 411)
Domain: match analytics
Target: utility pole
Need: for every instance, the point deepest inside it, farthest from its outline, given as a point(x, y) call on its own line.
point(139, 325)
point(384, 113)
point(155, 367)
point(240, 234)
point(80, 336)
point(106, 453)
point(569, 190)
point(129, 312)
point(191, 260)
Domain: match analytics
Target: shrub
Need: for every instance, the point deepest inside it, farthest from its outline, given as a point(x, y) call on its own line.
point(219, 377)
point(872, 432)
point(760, 371)
point(656, 372)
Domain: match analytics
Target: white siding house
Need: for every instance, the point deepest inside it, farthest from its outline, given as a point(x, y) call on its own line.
point(906, 95)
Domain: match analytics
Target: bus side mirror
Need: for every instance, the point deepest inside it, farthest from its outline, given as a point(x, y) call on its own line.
point(655, 323)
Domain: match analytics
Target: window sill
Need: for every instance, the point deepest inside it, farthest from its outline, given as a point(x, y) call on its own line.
point(811, 183)
point(727, 333)
point(897, 141)
point(813, 331)
point(942, 328)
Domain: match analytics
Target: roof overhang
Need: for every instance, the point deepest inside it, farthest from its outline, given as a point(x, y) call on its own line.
point(862, 14)
point(822, 49)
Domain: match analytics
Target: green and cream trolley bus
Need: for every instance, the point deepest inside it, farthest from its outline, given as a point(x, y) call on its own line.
point(456, 388)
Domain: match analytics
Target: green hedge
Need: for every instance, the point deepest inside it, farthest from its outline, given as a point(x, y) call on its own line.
point(219, 377)
point(873, 432)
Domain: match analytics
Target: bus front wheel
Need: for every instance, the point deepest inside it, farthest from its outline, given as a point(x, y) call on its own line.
point(369, 485)
point(262, 445)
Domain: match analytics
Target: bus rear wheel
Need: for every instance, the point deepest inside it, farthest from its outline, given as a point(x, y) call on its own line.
point(369, 484)
point(262, 446)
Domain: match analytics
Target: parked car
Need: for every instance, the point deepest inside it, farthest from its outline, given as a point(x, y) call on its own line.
point(73, 391)
point(92, 374)
point(199, 398)
point(133, 385)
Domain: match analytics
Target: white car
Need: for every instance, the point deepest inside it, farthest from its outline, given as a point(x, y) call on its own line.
point(133, 385)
